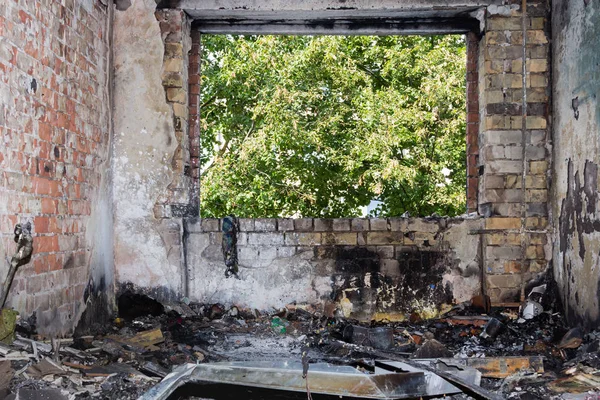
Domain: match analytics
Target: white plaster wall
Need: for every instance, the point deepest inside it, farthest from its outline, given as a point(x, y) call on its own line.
point(143, 147)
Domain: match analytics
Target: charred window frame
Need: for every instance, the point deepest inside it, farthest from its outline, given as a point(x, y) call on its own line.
point(340, 22)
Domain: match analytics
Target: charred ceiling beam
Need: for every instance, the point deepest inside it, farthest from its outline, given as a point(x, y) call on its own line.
point(373, 26)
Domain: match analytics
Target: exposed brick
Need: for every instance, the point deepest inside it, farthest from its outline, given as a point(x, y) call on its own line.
point(390, 268)
point(383, 238)
point(536, 23)
point(504, 238)
point(265, 239)
point(246, 224)
point(537, 210)
point(535, 252)
point(419, 225)
point(504, 108)
point(504, 167)
point(503, 223)
point(493, 182)
point(503, 282)
point(502, 196)
point(504, 24)
point(536, 37)
point(176, 95)
point(535, 182)
point(536, 222)
point(512, 181)
point(323, 224)
point(538, 167)
point(285, 224)
point(303, 224)
point(385, 252)
point(265, 224)
point(43, 183)
point(361, 238)
point(379, 224)
point(340, 238)
point(341, 224)
point(536, 195)
point(303, 238)
point(359, 224)
point(537, 95)
point(535, 122)
point(538, 65)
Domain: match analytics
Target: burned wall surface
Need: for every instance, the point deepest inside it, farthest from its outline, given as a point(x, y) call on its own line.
point(363, 268)
point(576, 28)
point(54, 172)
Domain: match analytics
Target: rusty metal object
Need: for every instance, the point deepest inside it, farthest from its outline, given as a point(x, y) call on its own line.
point(22, 256)
point(499, 367)
point(477, 320)
point(481, 303)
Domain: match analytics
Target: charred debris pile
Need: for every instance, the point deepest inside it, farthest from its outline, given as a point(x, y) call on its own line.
point(188, 350)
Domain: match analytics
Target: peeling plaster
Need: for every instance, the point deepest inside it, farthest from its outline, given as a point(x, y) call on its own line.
point(504, 10)
point(144, 252)
point(465, 277)
point(576, 29)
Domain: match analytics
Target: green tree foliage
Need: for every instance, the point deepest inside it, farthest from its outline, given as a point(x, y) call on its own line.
point(320, 126)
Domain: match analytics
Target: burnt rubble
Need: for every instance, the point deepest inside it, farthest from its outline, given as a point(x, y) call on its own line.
point(495, 355)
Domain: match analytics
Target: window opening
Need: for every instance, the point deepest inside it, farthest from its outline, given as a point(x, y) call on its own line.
point(332, 126)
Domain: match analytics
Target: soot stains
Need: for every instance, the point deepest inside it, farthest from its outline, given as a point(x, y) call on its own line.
point(421, 277)
point(573, 219)
point(410, 281)
point(356, 260)
point(578, 216)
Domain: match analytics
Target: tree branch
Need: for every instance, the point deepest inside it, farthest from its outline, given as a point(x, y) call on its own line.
point(224, 149)
point(207, 102)
point(219, 154)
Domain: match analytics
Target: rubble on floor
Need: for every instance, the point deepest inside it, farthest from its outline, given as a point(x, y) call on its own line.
point(500, 354)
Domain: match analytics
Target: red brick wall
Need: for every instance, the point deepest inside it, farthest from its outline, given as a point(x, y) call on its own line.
point(194, 116)
point(472, 121)
point(54, 135)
